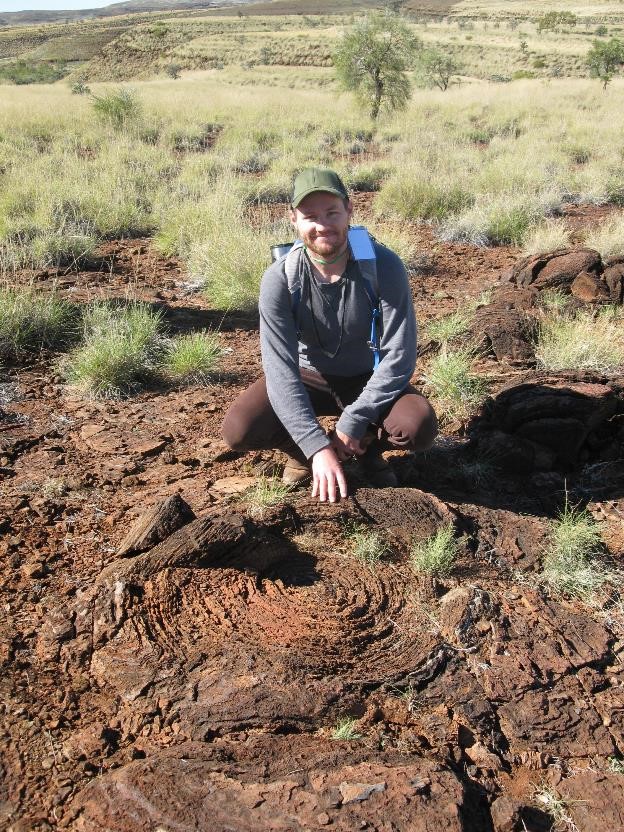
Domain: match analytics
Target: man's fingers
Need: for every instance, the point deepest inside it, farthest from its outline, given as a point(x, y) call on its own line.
point(331, 483)
point(342, 484)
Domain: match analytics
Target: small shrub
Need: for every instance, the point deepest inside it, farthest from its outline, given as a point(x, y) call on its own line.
point(30, 322)
point(173, 71)
point(193, 358)
point(80, 88)
point(570, 560)
point(367, 545)
point(118, 108)
point(435, 555)
point(267, 492)
point(345, 729)
point(447, 328)
point(456, 390)
point(121, 350)
point(584, 341)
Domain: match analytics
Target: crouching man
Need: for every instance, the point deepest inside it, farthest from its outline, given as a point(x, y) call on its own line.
point(333, 344)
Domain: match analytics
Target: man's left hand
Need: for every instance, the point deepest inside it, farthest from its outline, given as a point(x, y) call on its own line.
point(346, 446)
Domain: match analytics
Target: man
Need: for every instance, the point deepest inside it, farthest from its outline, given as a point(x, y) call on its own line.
point(317, 355)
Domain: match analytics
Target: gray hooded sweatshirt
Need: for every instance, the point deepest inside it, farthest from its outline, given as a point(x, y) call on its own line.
point(314, 341)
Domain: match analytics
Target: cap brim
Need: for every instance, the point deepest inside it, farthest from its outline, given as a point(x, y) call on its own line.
point(300, 197)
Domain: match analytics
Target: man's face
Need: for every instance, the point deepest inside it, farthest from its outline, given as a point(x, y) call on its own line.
point(322, 222)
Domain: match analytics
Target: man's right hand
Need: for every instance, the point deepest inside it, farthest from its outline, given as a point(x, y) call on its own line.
point(327, 476)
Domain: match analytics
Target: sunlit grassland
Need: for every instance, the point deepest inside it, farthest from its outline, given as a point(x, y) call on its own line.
point(201, 162)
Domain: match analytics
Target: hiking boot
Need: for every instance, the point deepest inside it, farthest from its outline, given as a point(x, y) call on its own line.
point(376, 470)
point(295, 472)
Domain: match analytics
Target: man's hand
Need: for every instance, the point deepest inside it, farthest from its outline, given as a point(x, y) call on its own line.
point(346, 446)
point(327, 474)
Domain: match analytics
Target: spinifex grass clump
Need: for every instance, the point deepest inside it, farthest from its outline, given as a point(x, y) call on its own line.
point(193, 358)
point(570, 563)
point(546, 237)
point(266, 493)
point(117, 108)
point(456, 390)
point(608, 239)
point(30, 321)
point(585, 341)
point(121, 350)
point(447, 328)
point(435, 555)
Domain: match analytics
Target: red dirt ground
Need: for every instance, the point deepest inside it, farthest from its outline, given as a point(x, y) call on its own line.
point(198, 688)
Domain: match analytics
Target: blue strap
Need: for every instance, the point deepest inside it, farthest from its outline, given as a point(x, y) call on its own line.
point(374, 337)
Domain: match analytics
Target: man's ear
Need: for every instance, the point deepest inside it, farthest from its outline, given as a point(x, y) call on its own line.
point(349, 208)
point(292, 215)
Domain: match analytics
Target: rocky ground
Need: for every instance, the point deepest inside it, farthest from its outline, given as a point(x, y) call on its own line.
point(192, 679)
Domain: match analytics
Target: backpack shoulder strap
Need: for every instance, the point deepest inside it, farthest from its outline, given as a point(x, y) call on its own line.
point(293, 274)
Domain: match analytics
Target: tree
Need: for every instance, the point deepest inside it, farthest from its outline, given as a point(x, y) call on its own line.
point(604, 59)
point(556, 20)
point(372, 61)
point(438, 68)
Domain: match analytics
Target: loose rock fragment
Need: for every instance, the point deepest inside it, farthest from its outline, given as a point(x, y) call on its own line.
point(156, 524)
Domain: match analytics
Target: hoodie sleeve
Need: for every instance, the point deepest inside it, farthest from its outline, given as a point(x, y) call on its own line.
point(280, 361)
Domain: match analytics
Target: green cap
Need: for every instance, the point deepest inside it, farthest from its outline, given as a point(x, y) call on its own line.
point(317, 179)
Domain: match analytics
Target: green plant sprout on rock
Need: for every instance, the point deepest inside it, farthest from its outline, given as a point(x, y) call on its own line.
point(345, 729)
point(367, 545)
point(570, 563)
point(449, 380)
point(266, 493)
point(436, 554)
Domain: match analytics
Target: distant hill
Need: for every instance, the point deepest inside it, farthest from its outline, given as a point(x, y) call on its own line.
point(114, 10)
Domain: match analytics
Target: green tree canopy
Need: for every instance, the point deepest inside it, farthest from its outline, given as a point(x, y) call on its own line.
point(555, 20)
point(438, 68)
point(372, 60)
point(604, 59)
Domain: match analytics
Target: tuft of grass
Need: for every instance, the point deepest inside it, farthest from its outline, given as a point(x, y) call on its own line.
point(120, 353)
point(608, 239)
point(585, 341)
point(554, 300)
point(31, 321)
point(547, 236)
point(435, 555)
point(193, 358)
point(449, 380)
point(616, 765)
point(266, 493)
point(230, 265)
point(557, 807)
point(420, 199)
point(117, 108)
point(503, 219)
point(345, 729)
point(570, 560)
point(447, 328)
point(367, 545)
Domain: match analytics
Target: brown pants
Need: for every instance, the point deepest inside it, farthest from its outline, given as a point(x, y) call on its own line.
point(410, 422)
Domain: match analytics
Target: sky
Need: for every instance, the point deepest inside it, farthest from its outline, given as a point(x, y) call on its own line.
point(50, 5)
